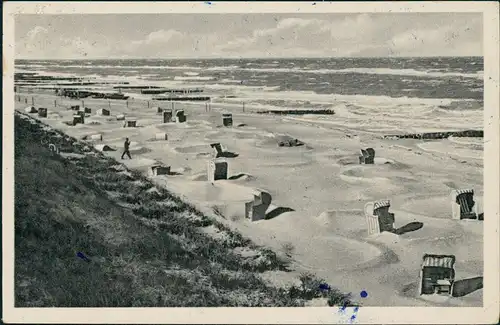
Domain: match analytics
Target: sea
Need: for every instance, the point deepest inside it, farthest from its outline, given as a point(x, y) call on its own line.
point(420, 94)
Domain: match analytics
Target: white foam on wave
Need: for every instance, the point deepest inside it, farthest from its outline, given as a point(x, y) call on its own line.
point(197, 78)
point(381, 71)
point(367, 111)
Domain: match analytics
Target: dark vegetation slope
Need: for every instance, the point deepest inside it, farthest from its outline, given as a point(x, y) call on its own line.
point(145, 247)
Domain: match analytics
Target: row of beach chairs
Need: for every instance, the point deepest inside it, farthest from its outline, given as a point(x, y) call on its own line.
point(378, 217)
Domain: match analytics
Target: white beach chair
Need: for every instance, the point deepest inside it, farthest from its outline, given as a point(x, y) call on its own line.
point(77, 118)
point(167, 115)
point(179, 116)
point(103, 112)
point(227, 119)
point(216, 169)
point(42, 112)
point(256, 208)
point(217, 149)
point(367, 156)
point(463, 205)
point(160, 169)
point(54, 148)
point(30, 109)
point(130, 124)
point(96, 137)
point(437, 274)
point(378, 217)
point(161, 136)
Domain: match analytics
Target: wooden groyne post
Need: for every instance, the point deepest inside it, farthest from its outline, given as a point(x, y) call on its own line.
point(438, 135)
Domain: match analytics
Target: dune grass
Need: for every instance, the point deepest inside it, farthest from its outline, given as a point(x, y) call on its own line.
point(145, 246)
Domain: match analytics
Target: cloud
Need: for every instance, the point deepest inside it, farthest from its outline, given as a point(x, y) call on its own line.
point(171, 42)
point(37, 30)
point(360, 35)
point(364, 34)
point(40, 42)
point(454, 39)
point(314, 37)
point(159, 37)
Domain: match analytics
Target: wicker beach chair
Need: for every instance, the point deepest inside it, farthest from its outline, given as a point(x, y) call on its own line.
point(256, 208)
point(160, 169)
point(367, 156)
point(463, 204)
point(437, 274)
point(216, 170)
point(217, 149)
point(378, 217)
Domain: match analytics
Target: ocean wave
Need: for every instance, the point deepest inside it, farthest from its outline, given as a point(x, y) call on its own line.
point(195, 78)
point(380, 71)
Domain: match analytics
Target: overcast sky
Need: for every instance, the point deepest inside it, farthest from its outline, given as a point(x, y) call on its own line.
point(247, 35)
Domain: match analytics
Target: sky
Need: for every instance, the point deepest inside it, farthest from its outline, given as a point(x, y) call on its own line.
point(98, 36)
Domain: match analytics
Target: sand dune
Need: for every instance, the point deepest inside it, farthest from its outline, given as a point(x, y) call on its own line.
point(318, 192)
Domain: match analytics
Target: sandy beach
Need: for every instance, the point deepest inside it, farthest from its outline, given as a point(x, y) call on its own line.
point(318, 190)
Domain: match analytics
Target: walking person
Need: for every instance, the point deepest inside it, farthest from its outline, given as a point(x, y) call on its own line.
point(126, 146)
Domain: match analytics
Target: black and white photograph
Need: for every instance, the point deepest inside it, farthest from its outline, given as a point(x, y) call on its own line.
point(214, 154)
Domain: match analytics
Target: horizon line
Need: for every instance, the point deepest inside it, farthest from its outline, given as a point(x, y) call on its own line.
point(255, 57)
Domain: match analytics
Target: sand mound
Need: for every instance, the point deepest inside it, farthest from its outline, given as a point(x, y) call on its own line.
point(382, 161)
point(199, 177)
point(347, 160)
point(243, 177)
point(103, 147)
point(342, 221)
point(278, 140)
point(222, 135)
point(138, 150)
point(360, 173)
point(195, 149)
point(386, 238)
point(183, 169)
point(436, 298)
point(345, 254)
point(435, 207)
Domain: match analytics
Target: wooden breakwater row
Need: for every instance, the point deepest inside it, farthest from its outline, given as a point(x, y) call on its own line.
point(46, 85)
point(35, 77)
point(438, 135)
point(136, 87)
point(298, 112)
point(158, 91)
point(194, 99)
